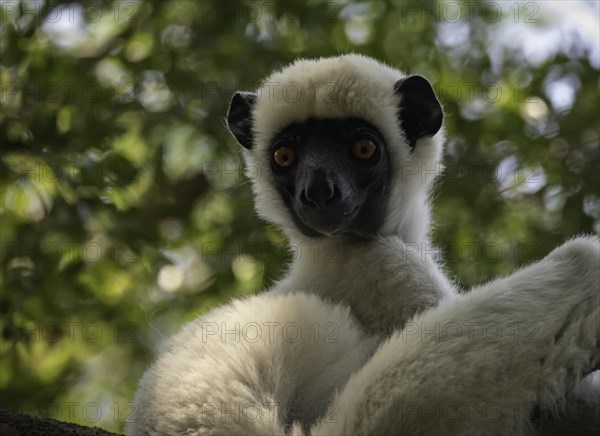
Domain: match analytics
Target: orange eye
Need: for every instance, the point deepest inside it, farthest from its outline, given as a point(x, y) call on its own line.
point(364, 149)
point(284, 156)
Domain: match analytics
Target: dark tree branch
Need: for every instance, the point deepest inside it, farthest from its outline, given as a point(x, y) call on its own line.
point(21, 424)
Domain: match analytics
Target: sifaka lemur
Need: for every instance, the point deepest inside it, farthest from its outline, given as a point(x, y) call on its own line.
point(365, 334)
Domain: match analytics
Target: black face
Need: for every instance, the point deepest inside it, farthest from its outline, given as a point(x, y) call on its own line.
point(333, 176)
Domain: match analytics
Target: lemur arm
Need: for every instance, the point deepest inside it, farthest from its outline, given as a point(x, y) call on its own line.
point(481, 362)
point(251, 368)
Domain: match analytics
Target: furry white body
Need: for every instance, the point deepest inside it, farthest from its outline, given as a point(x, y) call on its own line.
point(361, 337)
point(476, 364)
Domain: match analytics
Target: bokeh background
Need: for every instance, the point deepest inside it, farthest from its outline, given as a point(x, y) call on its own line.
point(124, 209)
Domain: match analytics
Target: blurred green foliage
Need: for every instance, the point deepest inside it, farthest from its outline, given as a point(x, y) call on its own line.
point(124, 209)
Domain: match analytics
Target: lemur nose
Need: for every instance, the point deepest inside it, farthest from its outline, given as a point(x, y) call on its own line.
point(320, 191)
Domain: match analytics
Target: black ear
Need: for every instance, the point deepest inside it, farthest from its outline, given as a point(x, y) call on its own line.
point(420, 111)
point(239, 117)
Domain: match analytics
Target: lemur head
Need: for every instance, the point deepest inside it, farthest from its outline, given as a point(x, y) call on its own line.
point(341, 147)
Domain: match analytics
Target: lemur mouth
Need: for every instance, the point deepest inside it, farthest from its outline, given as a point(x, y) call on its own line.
point(327, 222)
point(353, 212)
